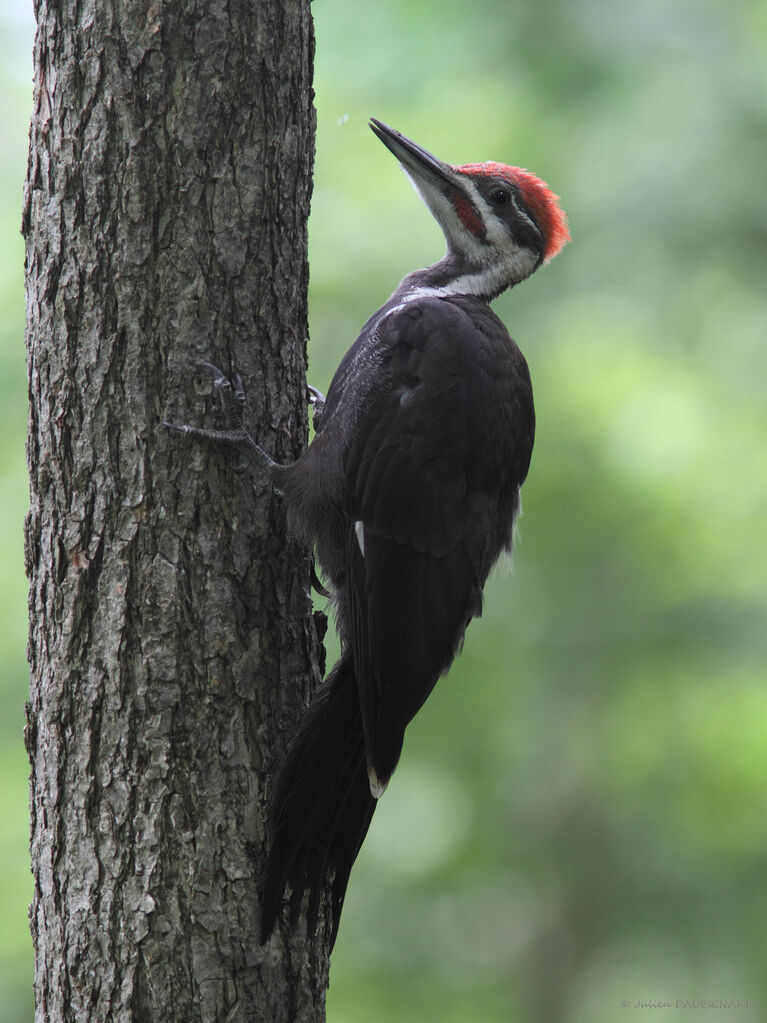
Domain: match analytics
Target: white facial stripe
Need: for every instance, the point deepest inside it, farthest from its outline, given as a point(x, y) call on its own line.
point(484, 212)
point(515, 263)
point(517, 260)
point(496, 232)
point(456, 233)
point(523, 215)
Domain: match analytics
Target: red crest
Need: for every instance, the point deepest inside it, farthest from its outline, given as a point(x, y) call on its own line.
point(539, 199)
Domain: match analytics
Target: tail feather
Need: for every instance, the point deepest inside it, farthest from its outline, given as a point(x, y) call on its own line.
point(321, 806)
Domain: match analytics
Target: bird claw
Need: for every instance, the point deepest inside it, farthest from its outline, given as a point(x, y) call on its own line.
point(213, 371)
point(317, 584)
point(232, 394)
point(316, 400)
point(233, 401)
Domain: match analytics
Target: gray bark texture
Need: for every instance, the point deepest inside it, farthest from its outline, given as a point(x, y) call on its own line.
point(172, 642)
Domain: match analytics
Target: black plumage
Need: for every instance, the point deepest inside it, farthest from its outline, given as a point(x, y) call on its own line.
point(408, 494)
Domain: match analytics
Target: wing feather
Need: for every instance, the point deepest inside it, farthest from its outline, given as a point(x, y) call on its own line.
point(441, 445)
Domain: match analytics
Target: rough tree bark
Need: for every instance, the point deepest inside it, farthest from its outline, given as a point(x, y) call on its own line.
point(172, 642)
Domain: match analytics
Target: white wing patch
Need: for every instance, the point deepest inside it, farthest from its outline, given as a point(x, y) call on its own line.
point(377, 787)
point(359, 529)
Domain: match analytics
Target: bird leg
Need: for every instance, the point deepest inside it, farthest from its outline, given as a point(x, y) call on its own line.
point(232, 394)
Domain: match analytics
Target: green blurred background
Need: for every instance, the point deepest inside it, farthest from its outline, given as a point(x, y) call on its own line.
point(580, 817)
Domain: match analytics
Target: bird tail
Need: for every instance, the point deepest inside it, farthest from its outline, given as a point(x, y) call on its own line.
point(321, 806)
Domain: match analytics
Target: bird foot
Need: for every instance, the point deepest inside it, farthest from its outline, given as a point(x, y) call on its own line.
point(232, 394)
point(233, 401)
point(317, 403)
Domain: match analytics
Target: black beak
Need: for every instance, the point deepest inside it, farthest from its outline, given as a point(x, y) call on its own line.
point(416, 160)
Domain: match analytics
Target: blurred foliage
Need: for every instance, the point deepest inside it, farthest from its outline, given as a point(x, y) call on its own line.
point(579, 819)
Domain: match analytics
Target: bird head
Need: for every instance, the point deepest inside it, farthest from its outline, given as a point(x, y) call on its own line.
point(500, 222)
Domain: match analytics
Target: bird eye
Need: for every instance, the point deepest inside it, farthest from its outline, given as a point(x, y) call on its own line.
point(500, 197)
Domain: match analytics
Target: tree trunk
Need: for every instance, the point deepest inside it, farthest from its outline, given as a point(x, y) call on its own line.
point(172, 643)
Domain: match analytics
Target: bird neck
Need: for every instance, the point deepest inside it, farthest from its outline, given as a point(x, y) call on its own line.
point(454, 275)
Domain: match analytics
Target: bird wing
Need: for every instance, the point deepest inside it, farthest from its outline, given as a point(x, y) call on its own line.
point(440, 446)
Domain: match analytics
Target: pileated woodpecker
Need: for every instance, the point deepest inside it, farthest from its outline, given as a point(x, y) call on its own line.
point(408, 493)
